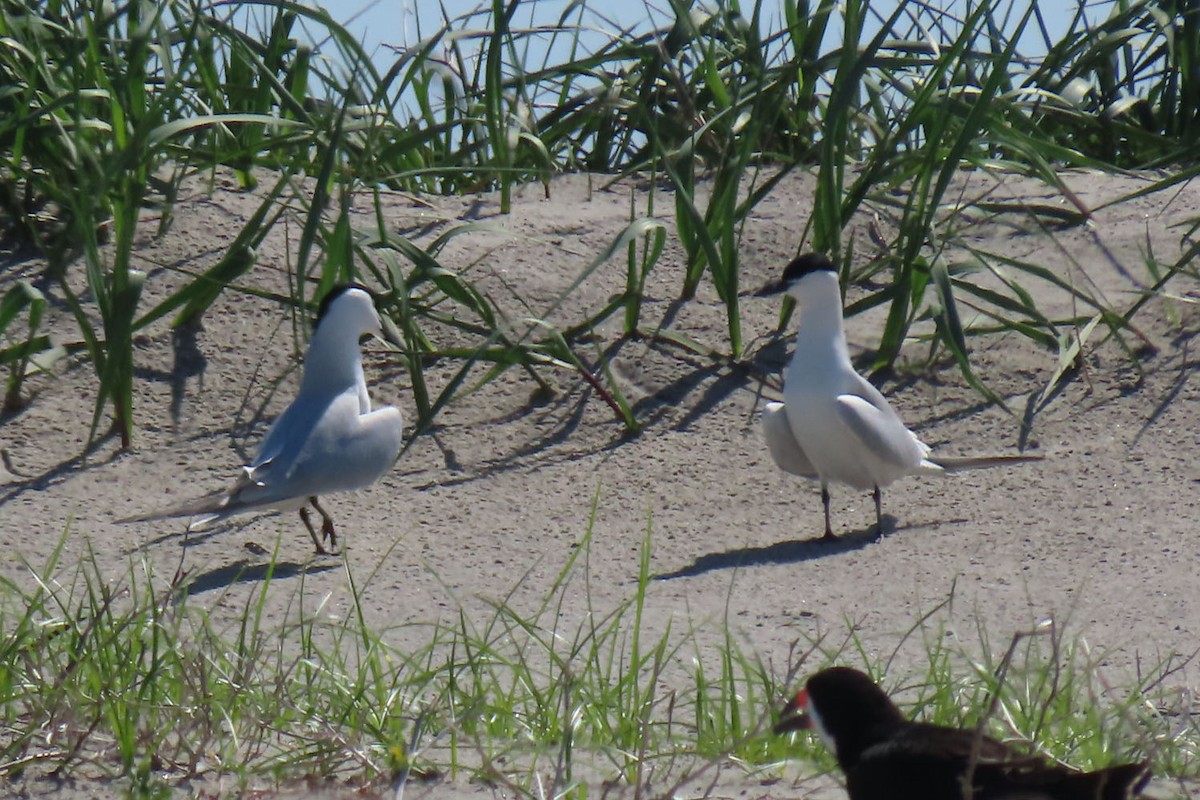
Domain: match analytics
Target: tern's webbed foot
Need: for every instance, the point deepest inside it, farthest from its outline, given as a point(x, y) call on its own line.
point(327, 531)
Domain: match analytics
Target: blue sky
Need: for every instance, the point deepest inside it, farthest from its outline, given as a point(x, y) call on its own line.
point(396, 21)
point(405, 22)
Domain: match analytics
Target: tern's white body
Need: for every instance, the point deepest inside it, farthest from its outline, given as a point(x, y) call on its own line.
point(833, 425)
point(844, 426)
point(328, 439)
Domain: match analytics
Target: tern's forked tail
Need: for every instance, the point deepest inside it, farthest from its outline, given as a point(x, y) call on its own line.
point(961, 463)
point(209, 505)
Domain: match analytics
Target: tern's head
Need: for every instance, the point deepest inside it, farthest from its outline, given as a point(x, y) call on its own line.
point(793, 280)
point(349, 310)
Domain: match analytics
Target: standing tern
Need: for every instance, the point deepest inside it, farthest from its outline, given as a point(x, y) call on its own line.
point(886, 757)
point(833, 425)
point(328, 439)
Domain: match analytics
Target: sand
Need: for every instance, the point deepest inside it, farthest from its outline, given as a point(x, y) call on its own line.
point(492, 503)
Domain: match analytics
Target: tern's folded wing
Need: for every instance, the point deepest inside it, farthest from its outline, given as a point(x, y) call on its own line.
point(347, 451)
point(785, 450)
point(882, 434)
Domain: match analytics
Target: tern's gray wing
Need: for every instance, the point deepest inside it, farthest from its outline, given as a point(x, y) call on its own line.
point(320, 444)
point(302, 425)
point(787, 453)
point(265, 481)
point(882, 434)
point(345, 451)
point(287, 433)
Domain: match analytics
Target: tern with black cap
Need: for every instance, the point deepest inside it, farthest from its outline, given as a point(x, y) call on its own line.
point(327, 440)
point(833, 425)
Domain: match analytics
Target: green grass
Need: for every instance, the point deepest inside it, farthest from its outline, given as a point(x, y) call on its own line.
point(129, 680)
point(1044, 689)
point(104, 115)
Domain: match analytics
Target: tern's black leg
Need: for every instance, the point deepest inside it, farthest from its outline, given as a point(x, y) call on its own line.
point(311, 530)
point(878, 511)
point(825, 502)
point(327, 531)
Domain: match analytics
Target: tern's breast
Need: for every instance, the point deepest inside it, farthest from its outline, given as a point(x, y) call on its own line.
point(811, 390)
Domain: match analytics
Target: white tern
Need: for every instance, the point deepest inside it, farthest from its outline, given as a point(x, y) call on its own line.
point(833, 425)
point(328, 439)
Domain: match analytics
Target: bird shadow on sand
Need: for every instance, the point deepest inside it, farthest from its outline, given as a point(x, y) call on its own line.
point(245, 572)
point(790, 552)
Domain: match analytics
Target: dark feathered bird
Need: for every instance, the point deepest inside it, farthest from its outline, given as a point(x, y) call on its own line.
point(887, 757)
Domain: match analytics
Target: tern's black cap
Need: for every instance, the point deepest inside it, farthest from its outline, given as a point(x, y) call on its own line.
point(799, 267)
point(334, 293)
point(804, 264)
